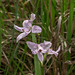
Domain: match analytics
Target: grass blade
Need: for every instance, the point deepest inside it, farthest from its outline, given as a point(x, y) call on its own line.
point(0, 39)
point(71, 69)
point(70, 23)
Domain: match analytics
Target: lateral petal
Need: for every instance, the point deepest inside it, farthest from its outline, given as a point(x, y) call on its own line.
point(50, 51)
point(46, 45)
point(18, 28)
point(58, 49)
point(22, 35)
point(36, 29)
point(32, 46)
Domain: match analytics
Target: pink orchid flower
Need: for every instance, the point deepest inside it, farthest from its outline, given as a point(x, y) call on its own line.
point(50, 51)
point(27, 28)
point(39, 49)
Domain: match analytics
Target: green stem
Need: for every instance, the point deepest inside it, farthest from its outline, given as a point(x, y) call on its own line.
point(42, 70)
point(36, 61)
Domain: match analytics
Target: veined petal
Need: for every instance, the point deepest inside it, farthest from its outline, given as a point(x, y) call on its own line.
point(25, 22)
point(32, 46)
point(18, 28)
point(40, 57)
point(34, 52)
point(46, 45)
point(50, 51)
point(36, 29)
point(32, 18)
point(44, 51)
point(27, 25)
point(22, 35)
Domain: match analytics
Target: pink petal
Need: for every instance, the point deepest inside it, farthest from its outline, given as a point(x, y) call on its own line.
point(22, 35)
point(32, 17)
point(40, 57)
point(36, 29)
point(18, 28)
point(46, 45)
point(50, 51)
point(32, 46)
point(44, 51)
point(25, 22)
point(27, 25)
point(58, 49)
point(34, 52)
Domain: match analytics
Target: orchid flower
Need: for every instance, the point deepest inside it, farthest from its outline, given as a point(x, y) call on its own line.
point(50, 51)
point(39, 49)
point(27, 28)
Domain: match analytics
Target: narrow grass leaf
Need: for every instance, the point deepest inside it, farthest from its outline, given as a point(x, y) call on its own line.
point(0, 39)
point(70, 22)
point(71, 69)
